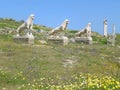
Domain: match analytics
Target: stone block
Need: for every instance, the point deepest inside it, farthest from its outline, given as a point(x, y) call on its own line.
point(23, 39)
point(87, 40)
point(58, 40)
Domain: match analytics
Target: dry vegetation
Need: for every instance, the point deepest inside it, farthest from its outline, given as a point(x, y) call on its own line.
point(58, 67)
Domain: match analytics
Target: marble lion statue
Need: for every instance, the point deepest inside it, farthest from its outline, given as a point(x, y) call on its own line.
point(62, 27)
point(86, 30)
point(27, 25)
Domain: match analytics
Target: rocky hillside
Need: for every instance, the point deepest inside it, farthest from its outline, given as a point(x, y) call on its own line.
point(57, 67)
point(9, 26)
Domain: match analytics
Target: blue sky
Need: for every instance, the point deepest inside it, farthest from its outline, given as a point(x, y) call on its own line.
point(52, 13)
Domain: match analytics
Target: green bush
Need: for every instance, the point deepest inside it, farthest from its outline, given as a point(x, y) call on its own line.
point(100, 40)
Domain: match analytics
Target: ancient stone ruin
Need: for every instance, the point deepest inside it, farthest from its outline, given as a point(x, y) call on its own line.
point(105, 25)
point(56, 35)
point(111, 38)
point(84, 35)
point(24, 32)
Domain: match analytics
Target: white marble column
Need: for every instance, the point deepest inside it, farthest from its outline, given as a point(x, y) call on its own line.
point(113, 35)
point(105, 27)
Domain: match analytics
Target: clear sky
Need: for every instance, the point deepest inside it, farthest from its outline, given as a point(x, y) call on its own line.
point(52, 13)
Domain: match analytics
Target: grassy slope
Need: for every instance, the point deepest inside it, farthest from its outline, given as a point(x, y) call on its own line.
point(35, 61)
point(10, 23)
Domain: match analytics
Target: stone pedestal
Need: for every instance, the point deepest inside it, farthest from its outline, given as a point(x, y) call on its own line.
point(111, 40)
point(58, 40)
point(28, 39)
point(87, 40)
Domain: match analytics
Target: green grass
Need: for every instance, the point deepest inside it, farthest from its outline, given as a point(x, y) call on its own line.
point(48, 67)
point(21, 65)
point(13, 24)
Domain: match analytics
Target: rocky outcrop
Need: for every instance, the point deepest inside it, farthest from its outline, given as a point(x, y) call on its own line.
point(7, 30)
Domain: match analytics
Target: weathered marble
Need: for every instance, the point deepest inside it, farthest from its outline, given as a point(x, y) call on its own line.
point(111, 38)
point(86, 31)
point(28, 25)
point(105, 25)
point(60, 28)
point(87, 40)
point(56, 36)
point(84, 35)
point(58, 40)
point(27, 39)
